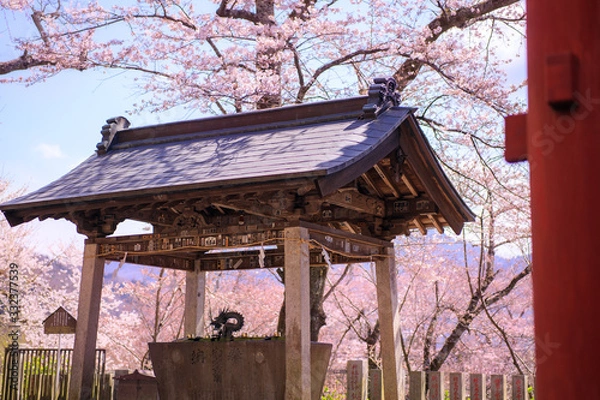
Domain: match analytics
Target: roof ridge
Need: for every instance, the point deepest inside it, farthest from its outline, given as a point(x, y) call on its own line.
point(252, 121)
point(169, 138)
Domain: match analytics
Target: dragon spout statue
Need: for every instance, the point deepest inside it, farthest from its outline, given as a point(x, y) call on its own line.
point(226, 323)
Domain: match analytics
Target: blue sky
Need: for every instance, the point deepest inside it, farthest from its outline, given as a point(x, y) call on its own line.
point(48, 128)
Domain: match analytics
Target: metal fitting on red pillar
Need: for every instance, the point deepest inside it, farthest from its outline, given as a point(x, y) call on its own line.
point(560, 137)
point(515, 127)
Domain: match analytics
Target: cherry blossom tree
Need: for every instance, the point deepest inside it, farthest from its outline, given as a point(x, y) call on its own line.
point(464, 304)
point(39, 285)
point(47, 281)
point(451, 317)
point(150, 308)
point(229, 56)
point(154, 304)
point(256, 294)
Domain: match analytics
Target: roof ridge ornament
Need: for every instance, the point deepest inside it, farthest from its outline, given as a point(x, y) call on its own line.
point(382, 95)
point(113, 125)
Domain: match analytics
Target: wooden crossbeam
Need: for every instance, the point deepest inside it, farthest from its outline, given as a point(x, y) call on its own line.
point(179, 252)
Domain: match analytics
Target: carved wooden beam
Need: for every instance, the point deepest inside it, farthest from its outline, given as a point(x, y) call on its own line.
point(95, 223)
point(410, 207)
point(179, 251)
point(354, 200)
point(393, 227)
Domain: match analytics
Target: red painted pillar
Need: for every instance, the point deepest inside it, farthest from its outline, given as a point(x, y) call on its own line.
point(562, 145)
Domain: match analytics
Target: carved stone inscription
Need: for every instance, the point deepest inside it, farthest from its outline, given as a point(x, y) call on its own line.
point(239, 369)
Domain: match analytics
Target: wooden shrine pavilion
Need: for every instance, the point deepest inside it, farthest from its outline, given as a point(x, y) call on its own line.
point(345, 175)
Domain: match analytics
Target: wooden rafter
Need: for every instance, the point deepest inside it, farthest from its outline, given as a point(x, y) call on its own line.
point(371, 184)
point(419, 225)
point(436, 223)
point(409, 185)
point(387, 179)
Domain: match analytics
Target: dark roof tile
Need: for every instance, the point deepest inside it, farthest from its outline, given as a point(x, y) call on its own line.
point(316, 148)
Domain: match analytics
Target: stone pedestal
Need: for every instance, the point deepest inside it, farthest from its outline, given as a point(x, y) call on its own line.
point(229, 370)
point(138, 385)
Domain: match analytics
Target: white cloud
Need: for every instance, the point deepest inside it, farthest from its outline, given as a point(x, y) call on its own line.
point(49, 150)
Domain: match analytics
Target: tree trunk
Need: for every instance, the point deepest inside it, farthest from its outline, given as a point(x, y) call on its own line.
point(268, 61)
point(318, 280)
point(371, 340)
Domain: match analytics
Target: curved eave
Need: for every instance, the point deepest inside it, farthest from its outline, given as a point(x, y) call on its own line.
point(389, 121)
point(27, 211)
point(415, 146)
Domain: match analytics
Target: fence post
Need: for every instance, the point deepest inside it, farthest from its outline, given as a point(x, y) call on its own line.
point(416, 388)
point(519, 387)
point(375, 384)
point(457, 386)
point(498, 387)
point(477, 387)
point(436, 385)
point(357, 380)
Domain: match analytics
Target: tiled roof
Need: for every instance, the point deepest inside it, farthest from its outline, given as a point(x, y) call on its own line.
point(315, 151)
point(301, 148)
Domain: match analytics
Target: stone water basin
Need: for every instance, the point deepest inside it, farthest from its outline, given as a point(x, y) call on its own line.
point(242, 369)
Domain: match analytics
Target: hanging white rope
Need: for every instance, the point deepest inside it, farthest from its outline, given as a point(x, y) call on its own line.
point(261, 256)
point(116, 271)
point(326, 256)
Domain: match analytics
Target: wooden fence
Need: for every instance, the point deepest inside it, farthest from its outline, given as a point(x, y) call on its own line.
point(30, 374)
point(362, 383)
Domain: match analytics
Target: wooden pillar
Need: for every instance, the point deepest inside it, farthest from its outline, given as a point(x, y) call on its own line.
point(562, 143)
point(389, 322)
point(195, 290)
point(88, 312)
point(297, 315)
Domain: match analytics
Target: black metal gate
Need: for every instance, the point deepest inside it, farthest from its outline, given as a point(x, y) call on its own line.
point(30, 374)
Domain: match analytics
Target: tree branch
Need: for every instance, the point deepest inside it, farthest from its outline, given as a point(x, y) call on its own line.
point(332, 286)
point(473, 310)
point(225, 12)
point(505, 339)
point(428, 345)
point(502, 293)
point(462, 16)
point(22, 63)
point(302, 12)
point(325, 67)
point(410, 68)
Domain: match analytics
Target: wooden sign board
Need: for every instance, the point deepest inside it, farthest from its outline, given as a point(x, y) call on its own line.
point(60, 321)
